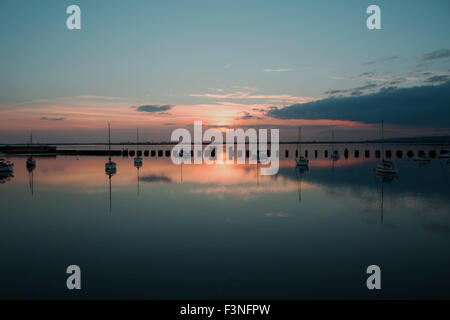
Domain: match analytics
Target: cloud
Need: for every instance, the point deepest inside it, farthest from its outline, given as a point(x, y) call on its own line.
point(388, 58)
point(247, 95)
point(383, 59)
point(368, 73)
point(419, 106)
point(248, 116)
point(436, 55)
point(52, 119)
point(353, 91)
point(336, 77)
point(277, 70)
point(153, 108)
point(372, 76)
point(96, 97)
point(439, 78)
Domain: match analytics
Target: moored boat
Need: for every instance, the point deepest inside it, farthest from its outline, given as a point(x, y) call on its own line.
point(6, 166)
point(301, 160)
point(386, 167)
point(110, 166)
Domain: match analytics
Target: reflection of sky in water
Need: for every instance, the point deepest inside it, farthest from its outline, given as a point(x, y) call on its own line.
point(222, 231)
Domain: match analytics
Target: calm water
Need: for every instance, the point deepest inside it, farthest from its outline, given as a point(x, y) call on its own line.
point(222, 231)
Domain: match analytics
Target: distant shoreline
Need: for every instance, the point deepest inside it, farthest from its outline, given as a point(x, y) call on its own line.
point(207, 143)
point(431, 140)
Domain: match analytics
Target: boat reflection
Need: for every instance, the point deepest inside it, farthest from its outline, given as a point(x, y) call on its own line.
point(300, 171)
point(384, 178)
point(6, 176)
point(229, 220)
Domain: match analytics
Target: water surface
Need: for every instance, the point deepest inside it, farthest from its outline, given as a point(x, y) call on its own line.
point(223, 231)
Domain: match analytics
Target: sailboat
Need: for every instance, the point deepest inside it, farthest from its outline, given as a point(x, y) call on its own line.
point(110, 166)
point(6, 166)
point(138, 159)
point(386, 167)
point(334, 153)
point(422, 158)
point(445, 155)
point(31, 163)
point(301, 161)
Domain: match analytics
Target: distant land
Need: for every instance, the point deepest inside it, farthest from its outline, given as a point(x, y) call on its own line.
point(408, 140)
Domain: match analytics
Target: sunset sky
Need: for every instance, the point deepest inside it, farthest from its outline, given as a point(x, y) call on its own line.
point(160, 65)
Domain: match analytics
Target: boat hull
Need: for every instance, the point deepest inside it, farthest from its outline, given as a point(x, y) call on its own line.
point(7, 168)
point(302, 163)
point(138, 162)
point(31, 163)
point(110, 167)
point(385, 171)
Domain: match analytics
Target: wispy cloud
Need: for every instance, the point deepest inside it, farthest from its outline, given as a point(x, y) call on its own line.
point(436, 55)
point(97, 97)
point(383, 59)
point(244, 95)
point(388, 58)
point(248, 116)
point(336, 77)
point(371, 75)
point(436, 79)
point(353, 91)
point(277, 70)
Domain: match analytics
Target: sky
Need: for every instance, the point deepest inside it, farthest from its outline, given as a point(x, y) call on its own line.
point(160, 65)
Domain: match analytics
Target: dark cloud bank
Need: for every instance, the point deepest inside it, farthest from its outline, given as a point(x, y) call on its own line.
point(427, 106)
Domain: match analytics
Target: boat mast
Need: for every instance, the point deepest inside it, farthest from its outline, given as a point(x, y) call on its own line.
point(137, 145)
point(109, 142)
point(332, 141)
point(299, 146)
point(31, 143)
